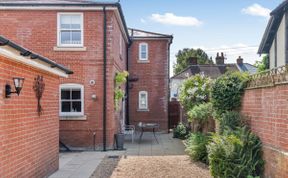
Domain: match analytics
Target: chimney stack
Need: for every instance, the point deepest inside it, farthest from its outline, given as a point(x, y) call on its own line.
point(192, 61)
point(240, 60)
point(220, 59)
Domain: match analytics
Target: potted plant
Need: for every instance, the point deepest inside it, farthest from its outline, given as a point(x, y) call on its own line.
point(119, 94)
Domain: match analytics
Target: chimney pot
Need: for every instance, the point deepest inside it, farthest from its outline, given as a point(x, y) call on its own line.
point(240, 60)
point(220, 59)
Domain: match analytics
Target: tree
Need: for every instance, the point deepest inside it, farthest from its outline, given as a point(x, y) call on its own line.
point(263, 64)
point(183, 55)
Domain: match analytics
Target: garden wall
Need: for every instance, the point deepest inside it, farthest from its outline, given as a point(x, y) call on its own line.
point(29, 143)
point(267, 111)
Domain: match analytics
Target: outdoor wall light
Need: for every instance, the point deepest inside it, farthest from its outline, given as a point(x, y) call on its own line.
point(18, 83)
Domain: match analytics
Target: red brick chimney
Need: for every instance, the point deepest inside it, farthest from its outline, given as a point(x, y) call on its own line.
point(220, 59)
point(192, 61)
point(240, 60)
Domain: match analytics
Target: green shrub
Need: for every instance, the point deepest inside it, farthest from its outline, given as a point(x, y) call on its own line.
point(236, 154)
point(194, 91)
point(180, 131)
point(201, 112)
point(196, 147)
point(230, 120)
point(227, 91)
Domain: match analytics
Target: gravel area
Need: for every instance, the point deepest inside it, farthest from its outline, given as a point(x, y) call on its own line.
point(159, 167)
point(106, 167)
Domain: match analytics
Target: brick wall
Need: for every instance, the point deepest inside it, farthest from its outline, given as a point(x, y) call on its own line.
point(37, 30)
point(153, 78)
point(28, 143)
point(267, 110)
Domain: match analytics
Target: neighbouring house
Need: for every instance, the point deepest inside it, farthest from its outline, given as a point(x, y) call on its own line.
point(93, 40)
point(211, 70)
point(29, 140)
point(275, 39)
point(265, 100)
point(149, 96)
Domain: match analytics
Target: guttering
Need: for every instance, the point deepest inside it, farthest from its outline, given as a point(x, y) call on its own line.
point(26, 53)
point(104, 76)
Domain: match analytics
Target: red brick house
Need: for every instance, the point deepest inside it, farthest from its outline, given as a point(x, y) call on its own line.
point(149, 96)
point(93, 40)
point(28, 140)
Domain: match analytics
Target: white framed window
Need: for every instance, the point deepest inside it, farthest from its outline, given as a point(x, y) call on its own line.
point(71, 100)
point(143, 100)
point(70, 29)
point(143, 51)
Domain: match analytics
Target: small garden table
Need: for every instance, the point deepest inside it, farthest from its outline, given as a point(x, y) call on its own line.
point(145, 126)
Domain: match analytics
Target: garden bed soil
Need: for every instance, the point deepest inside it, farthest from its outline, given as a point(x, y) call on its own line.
point(106, 167)
point(160, 167)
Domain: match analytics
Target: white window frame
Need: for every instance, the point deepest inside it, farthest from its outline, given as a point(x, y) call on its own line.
point(59, 29)
point(139, 100)
point(140, 52)
point(71, 86)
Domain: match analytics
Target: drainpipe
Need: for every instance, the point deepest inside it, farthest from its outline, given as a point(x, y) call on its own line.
point(169, 44)
point(104, 76)
point(127, 121)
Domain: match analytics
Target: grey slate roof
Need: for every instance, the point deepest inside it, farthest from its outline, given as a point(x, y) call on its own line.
point(272, 27)
point(51, 2)
point(136, 33)
point(213, 70)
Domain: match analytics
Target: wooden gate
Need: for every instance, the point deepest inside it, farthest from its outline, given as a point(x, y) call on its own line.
point(174, 114)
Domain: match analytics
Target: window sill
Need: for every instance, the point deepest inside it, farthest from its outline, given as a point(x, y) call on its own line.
point(143, 61)
point(60, 48)
point(142, 110)
point(73, 118)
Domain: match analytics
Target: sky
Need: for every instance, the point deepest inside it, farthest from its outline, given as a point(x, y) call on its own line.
point(234, 27)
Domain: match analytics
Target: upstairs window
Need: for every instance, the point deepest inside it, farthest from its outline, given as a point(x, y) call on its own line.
point(143, 52)
point(71, 100)
point(143, 100)
point(70, 29)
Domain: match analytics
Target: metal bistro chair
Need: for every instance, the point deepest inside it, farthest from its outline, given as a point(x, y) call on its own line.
point(130, 130)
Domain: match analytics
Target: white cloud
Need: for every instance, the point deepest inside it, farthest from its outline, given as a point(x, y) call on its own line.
point(172, 19)
point(142, 20)
point(257, 10)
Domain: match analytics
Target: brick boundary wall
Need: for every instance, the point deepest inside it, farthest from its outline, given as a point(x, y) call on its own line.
point(29, 144)
point(267, 112)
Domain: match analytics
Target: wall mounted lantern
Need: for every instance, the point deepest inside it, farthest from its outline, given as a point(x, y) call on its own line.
point(18, 84)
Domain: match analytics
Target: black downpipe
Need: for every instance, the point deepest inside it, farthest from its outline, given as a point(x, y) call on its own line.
point(104, 77)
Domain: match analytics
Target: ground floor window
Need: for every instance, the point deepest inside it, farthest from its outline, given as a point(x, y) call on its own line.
point(71, 100)
point(143, 100)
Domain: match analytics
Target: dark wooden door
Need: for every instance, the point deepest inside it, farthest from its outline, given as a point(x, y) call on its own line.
point(174, 114)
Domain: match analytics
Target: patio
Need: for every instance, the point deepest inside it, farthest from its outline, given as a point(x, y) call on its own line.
point(74, 164)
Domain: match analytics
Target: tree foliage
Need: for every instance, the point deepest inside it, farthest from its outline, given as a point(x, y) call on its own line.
point(182, 57)
point(263, 64)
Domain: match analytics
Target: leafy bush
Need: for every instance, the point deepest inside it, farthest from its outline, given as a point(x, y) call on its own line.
point(230, 120)
point(180, 131)
point(227, 91)
point(201, 112)
point(235, 154)
point(194, 91)
point(196, 147)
